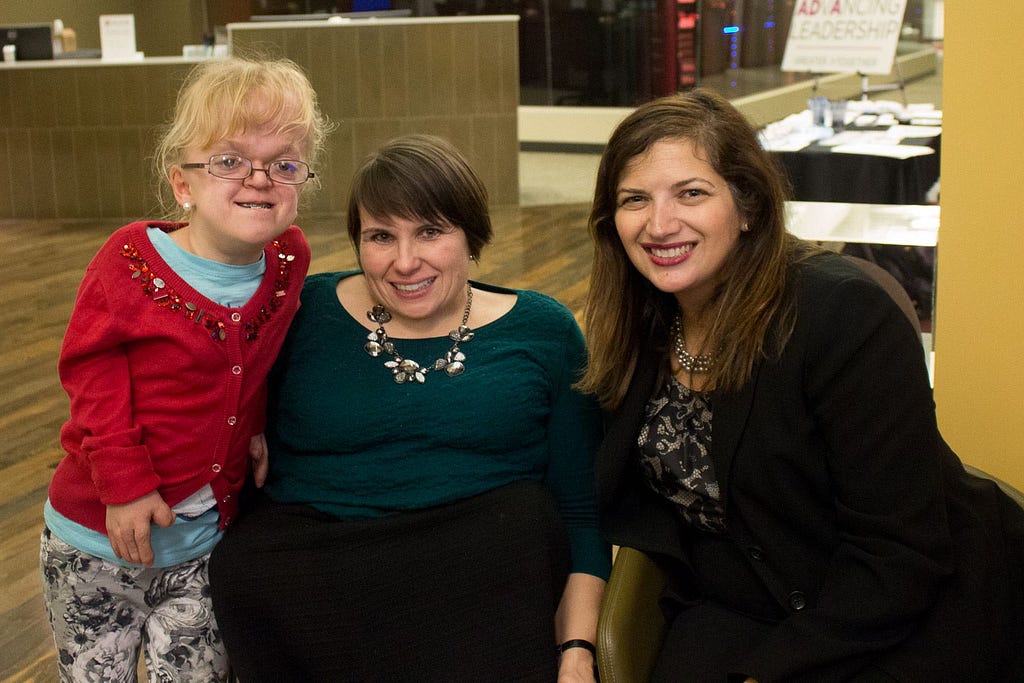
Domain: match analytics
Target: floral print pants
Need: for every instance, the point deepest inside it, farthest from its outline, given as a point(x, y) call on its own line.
point(104, 614)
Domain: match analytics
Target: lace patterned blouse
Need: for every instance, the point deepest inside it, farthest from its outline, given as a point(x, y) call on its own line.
point(675, 445)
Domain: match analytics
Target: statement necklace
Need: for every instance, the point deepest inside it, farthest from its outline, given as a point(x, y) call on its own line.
point(697, 365)
point(405, 369)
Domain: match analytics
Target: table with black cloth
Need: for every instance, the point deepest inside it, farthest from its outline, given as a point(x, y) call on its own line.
point(819, 174)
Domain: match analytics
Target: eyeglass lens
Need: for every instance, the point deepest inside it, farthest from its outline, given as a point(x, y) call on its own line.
point(234, 167)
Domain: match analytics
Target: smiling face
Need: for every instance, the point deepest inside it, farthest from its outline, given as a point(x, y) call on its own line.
point(232, 220)
point(416, 269)
point(677, 220)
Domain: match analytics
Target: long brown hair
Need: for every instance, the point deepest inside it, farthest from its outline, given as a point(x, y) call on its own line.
point(623, 310)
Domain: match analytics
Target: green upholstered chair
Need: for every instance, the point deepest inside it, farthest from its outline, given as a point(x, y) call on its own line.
point(1010, 491)
point(891, 285)
point(631, 628)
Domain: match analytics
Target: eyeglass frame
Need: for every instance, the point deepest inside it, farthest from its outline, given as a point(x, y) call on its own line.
point(252, 169)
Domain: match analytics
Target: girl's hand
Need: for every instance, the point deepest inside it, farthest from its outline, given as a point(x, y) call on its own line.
point(128, 527)
point(260, 456)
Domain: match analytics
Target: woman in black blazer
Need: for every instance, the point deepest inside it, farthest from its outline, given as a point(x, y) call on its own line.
point(772, 435)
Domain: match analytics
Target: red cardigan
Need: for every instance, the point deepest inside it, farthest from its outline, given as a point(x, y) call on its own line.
point(166, 386)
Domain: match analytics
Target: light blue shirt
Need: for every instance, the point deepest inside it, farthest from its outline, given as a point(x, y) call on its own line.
point(227, 284)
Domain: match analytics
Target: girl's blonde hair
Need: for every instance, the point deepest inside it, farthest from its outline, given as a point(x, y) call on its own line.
point(223, 98)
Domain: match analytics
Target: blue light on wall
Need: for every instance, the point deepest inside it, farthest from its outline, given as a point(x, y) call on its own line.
point(734, 43)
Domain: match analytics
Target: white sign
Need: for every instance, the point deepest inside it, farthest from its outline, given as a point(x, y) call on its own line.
point(117, 36)
point(843, 36)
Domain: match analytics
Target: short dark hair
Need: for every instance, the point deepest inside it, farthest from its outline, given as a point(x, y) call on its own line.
point(424, 177)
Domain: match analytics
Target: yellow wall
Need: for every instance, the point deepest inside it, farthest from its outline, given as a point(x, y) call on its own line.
point(979, 333)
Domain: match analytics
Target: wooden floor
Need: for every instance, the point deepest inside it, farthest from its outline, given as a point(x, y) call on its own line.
point(542, 247)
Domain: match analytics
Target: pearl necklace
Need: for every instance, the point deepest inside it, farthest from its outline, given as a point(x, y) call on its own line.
point(405, 369)
point(697, 365)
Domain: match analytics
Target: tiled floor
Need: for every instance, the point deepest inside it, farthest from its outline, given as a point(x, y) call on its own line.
point(556, 178)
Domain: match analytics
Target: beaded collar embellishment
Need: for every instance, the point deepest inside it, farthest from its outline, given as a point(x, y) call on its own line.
point(156, 288)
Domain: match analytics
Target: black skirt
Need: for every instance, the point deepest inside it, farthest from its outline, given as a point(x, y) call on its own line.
point(463, 592)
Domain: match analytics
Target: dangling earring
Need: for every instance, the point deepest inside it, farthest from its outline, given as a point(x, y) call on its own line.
point(186, 206)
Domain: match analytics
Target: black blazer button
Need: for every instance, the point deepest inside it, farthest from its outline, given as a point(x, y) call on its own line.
point(756, 553)
point(797, 600)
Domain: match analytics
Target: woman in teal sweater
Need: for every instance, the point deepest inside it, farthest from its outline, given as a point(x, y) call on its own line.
point(423, 519)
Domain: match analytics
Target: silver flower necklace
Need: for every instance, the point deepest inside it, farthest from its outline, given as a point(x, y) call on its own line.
point(698, 364)
point(407, 370)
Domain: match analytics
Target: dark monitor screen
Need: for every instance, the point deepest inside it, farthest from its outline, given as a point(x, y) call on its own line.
point(33, 41)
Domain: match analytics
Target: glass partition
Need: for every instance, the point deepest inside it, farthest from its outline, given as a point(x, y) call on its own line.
point(624, 52)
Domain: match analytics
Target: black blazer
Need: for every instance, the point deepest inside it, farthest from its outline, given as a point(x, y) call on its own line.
point(845, 509)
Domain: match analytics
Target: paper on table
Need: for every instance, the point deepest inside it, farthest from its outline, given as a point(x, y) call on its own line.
point(794, 140)
point(856, 137)
point(912, 131)
point(893, 151)
point(923, 109)
point(791, 143)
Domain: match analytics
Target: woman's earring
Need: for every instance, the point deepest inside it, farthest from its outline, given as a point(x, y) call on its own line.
point(186, 206)
point(744, 228)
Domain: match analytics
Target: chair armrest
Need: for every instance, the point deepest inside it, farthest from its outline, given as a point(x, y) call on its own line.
point(631, 627)
point(1009, 490)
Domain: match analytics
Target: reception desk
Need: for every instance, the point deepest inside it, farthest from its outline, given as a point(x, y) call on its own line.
point(76, 135)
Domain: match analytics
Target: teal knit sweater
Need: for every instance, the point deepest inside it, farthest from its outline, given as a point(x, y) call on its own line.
point(347, 440)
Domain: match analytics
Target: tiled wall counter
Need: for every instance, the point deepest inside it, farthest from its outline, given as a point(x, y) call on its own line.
point(76, 135)
point(457, 77)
